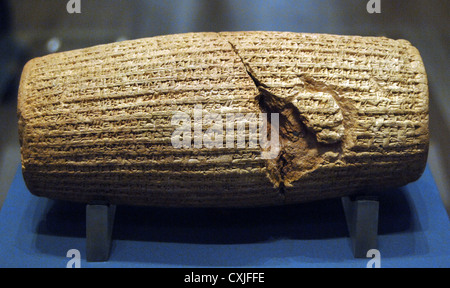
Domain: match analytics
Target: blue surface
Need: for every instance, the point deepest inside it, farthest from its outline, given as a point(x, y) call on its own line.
point(414, 232)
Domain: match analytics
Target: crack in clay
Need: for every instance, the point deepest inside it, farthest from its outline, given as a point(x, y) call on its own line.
point(248, 69)
point(302, 146)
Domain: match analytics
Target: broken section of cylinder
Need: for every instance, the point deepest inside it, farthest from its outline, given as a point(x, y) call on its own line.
point(311, 126)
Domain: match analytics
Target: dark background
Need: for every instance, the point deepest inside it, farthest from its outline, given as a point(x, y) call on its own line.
point(30, 28)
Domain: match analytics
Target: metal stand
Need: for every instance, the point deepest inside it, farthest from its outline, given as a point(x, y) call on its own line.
point(361, 214)
point(99, 226)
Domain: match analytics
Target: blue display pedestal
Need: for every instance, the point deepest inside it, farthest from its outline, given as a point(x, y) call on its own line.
point(413, 232)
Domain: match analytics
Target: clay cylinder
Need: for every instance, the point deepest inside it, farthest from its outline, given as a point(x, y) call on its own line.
point(131, 122)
